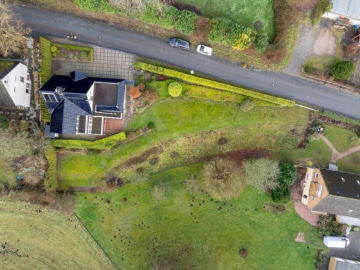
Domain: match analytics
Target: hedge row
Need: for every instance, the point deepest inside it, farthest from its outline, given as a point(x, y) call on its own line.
point(96, 6)
point(340, 118)
point(76, 48)
point(45, 72)
point(105, 143)
point(214, 84)
point(51, 182)
point(45, 116)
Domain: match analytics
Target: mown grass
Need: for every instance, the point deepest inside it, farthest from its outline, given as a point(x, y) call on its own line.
point(192, 231)
point(243, 12)
point(341, 139)
point(350, 163)
point(190, 127)
point(40, 238)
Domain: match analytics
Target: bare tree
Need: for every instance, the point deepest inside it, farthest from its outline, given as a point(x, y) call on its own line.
point(12, 33)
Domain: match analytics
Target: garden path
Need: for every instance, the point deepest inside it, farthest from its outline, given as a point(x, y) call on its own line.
point(335, 156)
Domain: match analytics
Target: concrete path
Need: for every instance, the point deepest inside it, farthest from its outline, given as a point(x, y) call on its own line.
point(335, 154)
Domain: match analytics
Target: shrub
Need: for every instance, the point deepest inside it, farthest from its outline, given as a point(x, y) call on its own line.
point(281, 194)
point(175, 89)
point(286, 179)
point(308, 69)
point(342, 70)
point(222, 179)
point(261, 42)
point(141, 86)
point(262, 174)
point(246, 105)
point(151, 125)
point(154, 160)
point(134, 92)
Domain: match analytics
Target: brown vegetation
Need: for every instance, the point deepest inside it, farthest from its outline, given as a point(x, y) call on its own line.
point(134, 92)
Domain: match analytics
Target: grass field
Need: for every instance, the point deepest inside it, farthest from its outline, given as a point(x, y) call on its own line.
point(192, 231)
point(243, 12)
point(190, 127)
point(33, 237)
point(340, 138)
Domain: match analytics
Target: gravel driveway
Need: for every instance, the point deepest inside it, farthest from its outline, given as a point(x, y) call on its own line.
point(304, 48)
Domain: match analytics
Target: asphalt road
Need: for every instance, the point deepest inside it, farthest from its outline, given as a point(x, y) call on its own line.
point(59, 24)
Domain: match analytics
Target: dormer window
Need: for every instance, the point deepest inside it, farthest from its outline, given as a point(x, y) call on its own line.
point(49, 97)
point(343, 179)
point(316, 175)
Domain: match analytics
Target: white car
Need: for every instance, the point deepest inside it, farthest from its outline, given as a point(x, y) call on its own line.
point(204, 49)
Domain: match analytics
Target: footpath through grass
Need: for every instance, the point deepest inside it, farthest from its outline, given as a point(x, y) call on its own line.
point(180, 230)
point(40, 238)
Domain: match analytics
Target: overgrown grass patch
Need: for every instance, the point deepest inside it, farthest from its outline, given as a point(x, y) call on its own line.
point(176, 233)
point(322, 63)
point(34, 237)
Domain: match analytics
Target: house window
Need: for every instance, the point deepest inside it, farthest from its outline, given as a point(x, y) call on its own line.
point(49, 97)
point(14, 89)
point(27, 91)
point(28, 77)
point(316, 175)
point(305, 196)
point(22, 79)
point(28, 85)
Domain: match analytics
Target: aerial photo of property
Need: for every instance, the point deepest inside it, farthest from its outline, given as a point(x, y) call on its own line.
point(180, 134)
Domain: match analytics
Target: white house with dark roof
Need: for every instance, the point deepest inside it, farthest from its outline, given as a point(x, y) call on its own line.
point(15, 87)
point(333, 192)
point(349, 9)
point(81, 105)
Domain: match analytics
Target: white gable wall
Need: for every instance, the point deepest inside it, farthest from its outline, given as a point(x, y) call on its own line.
point(18, 85)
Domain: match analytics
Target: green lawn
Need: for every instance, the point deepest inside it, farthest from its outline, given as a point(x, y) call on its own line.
point(192, 231)
point(340, 138)
point(350, 163)
point(190, 127)
point(245, 12)
point(5, 65)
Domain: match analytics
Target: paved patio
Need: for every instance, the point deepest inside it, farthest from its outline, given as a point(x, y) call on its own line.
point(106, 63)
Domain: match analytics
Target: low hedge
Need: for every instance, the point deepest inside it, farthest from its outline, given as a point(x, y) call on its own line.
point(51, 182)
point(45, 116)
point(46, 57)
point(340, 118)
point(214, 84)
point(76, 48)
point(105, 143)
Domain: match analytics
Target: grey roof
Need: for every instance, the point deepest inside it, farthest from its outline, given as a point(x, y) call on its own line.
point(5, 99)
point(337, 205)
point(346, 265)
point(72, 101)
point(347, 8)
point(344, 194)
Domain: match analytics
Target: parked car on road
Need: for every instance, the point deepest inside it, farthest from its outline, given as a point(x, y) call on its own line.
point(179, 43)
point(204, 50)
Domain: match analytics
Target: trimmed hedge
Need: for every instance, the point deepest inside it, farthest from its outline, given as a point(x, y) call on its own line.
point(105, 143)
point(76, 48)
point(175, 89)
point(51, 182)
point(46, 57)
point(45, 116)
point(214, 84)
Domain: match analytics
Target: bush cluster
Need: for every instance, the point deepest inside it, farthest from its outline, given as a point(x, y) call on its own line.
point(261, 42)
point(322, 7)
point(96, 6)
point(286, 179)
point(343, 69)
point(214, 84)
point(246, 105)
point(170, 17)
point(226, 32)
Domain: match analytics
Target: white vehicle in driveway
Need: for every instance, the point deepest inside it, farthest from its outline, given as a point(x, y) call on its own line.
point(336, 241)
point(204, 50)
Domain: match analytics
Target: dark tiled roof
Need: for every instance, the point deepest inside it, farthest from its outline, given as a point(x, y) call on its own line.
point(72, 99)
point(342, 184)
point(5, 99)
point(344, 194)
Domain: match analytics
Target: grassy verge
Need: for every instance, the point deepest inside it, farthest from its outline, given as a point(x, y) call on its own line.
point(40, 238)
point(214, 84)
point(176, 233)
